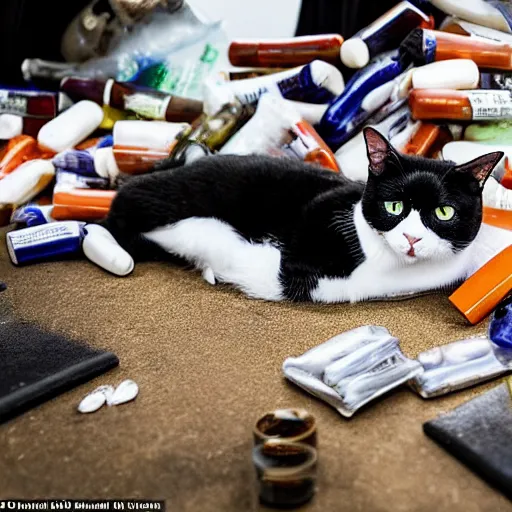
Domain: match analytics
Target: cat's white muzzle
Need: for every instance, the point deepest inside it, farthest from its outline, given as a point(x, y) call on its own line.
point(412, 241)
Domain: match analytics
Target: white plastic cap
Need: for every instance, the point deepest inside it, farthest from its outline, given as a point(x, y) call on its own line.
point(327, 76)
point(105, 163)
point(147, 134)
point(10, 126)
point(447, 74)
point(354, 53)
point(71, 127)
point(100, 247)
point(30, 179)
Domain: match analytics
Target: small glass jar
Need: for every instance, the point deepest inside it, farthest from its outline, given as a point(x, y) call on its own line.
point(285, 473)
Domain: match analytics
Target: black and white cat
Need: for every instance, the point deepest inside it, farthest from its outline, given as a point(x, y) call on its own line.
point(280, 229)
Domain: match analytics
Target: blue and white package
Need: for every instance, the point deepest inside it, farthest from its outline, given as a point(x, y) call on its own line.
point(79, 161)
point(66, 179)
point(45, 242)
point(33, 215)
point(339, 117)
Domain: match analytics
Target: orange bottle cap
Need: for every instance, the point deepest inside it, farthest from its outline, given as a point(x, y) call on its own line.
point(486, 288)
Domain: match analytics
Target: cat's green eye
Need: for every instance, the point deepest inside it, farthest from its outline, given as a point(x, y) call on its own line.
point(394, 207)
point(445, 212)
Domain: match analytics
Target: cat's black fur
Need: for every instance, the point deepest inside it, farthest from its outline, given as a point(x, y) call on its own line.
point(303, 209)
point(287, 201)
point(424, 184)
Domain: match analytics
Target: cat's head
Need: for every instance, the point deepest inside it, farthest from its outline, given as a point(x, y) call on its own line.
point(423, 208)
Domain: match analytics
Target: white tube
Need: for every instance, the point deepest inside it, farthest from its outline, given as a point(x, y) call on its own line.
point(265, 130)
point(393, 90)
point(478, 30)
point(378, 97)
point(323, 74)
point(105, 164)
point(147, 134)
point(101, 248)
point(71, 127)
point(310, 112)
point(447, 74)
point(28, 180)
point(475, 11)
point(10, 126)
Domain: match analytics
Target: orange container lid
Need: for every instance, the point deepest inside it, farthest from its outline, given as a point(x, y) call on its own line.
point(82, 204)
point(20, 149)
point(497, 217)
point(486, 288)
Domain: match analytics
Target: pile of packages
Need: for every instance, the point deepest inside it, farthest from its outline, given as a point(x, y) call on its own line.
point(432, 76)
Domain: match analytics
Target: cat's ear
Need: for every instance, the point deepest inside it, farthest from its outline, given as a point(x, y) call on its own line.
point(482, 166)
point(378, 150)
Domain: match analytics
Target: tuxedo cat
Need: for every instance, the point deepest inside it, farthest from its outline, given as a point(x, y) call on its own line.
point(281, 229)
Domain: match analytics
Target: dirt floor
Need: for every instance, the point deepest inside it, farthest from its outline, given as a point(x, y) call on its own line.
point(208, 363)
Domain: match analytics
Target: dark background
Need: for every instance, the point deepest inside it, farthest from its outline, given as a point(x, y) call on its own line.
point(33, 28)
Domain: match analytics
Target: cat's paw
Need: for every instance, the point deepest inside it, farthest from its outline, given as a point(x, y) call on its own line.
point(209, 276)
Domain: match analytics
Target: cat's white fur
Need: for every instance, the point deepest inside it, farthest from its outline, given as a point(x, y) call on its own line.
point(223, 255)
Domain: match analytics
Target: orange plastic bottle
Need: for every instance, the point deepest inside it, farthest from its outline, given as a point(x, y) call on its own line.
point(475, 105)
point(288, 52)
point(135, 160)
point(485, 53)
point(82, 204)
point(428, 139)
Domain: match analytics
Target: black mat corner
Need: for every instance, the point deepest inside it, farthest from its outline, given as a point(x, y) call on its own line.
point(37, 365)
point(479, 434)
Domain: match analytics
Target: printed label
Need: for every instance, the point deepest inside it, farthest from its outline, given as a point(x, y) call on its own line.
point(43, 234)
point(147, 106)
point(487, 105)
point(13, 103)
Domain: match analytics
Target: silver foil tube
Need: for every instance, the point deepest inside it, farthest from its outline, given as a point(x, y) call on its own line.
point(459, 365)
point(352, 368)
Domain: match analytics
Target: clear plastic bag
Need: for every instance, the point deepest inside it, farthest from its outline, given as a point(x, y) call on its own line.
point(172, 52)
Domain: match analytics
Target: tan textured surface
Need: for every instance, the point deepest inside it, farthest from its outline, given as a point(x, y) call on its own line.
point(208, 363)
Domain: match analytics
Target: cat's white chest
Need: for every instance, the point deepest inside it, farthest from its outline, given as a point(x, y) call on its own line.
point(383, 278)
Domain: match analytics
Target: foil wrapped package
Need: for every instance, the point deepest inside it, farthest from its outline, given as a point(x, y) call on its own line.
point(459, 365)
point(352, 368)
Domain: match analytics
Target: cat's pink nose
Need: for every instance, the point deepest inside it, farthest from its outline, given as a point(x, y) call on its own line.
point(411, 239)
